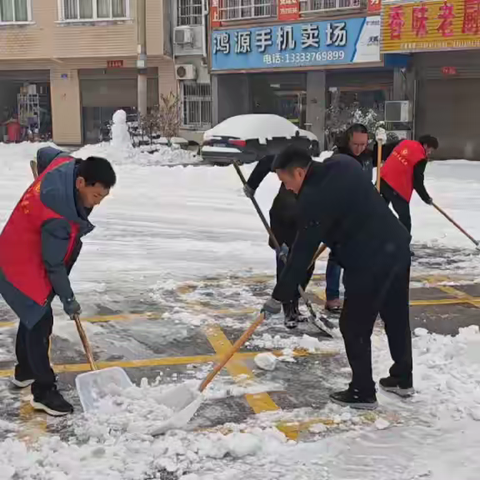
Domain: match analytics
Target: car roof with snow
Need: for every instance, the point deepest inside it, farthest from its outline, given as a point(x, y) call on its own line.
point(254, 125)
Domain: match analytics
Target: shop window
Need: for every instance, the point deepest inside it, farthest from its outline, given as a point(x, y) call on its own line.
point(189, 12)
point(15, 11)
point(78, 10)
point(307, 6)
point(244, 9)
point(196, 105)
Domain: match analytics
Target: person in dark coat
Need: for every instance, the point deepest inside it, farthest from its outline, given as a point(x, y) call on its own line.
point(404, 172)
point(38, 247)
point(339, 206)
point(284, 226)
point(353, 142)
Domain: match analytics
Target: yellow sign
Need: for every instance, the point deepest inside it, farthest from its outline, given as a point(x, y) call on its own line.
point(430, 25)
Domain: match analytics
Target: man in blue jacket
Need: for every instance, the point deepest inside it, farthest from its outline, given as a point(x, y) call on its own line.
point(38, 247)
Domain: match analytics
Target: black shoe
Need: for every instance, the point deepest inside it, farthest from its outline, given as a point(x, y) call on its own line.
point(402, 388)
point(296, 312)
point(353, 399)
point(291, 320)
point(50, 400)
point(21, 379)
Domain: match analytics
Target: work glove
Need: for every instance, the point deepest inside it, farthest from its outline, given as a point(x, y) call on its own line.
point(271, 307)
point(282, 254)
point(381, 136)
point(72, 307)
point(248, 191)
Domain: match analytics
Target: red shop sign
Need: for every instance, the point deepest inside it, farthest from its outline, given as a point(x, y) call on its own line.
point(114, 63)
point(288, 10)
point(449, 70)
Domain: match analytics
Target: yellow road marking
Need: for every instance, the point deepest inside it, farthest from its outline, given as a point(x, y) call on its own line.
point(166, 361)
point(34, 424)
point(464, 297)
point(260, 402)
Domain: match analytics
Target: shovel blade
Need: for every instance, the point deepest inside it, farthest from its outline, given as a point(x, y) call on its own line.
point(93, 386)
point(184, 402)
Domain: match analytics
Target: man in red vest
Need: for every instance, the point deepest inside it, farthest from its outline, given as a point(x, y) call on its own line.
point(403, 172)
point(38, 247)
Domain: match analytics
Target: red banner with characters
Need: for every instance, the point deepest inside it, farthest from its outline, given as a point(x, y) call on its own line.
point(374, 6)
point(288, 10)
point(215, 13)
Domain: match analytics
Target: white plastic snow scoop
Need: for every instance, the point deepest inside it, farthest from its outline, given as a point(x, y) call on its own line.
point(184, 401)
point(93, 386)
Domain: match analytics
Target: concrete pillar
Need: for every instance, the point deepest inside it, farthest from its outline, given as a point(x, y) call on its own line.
point(316, 102)
point(214, 81)
point(66, 106)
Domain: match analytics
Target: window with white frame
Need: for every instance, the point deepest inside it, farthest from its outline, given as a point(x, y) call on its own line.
point(244, 9)
point(307, 6)
point(189, 12)
point(94, 9)
point(196, 105)
point(15, 11)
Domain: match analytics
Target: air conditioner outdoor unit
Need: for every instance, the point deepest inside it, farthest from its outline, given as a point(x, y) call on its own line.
point(400, 111)
point(183, 36)
point(185, 72)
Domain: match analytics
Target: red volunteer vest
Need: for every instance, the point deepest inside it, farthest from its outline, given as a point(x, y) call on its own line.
point(21, 242)
point(398, 168)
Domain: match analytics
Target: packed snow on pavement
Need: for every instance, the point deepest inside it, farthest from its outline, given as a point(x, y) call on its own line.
point(166, 224)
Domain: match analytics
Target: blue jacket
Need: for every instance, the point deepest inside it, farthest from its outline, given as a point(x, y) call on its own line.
point(58, 193)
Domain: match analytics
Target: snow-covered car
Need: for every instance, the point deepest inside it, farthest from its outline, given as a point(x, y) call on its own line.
point(247, 138)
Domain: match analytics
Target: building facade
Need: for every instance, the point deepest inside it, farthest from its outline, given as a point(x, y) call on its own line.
point(189, 38)
point(305, 60)
point(69, 64)
point(442, 38)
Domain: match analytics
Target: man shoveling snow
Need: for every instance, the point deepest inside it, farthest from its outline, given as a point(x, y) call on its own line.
point(339, 206)
point(38, 247)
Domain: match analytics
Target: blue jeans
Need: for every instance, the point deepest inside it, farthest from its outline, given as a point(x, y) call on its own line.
point(333, 273)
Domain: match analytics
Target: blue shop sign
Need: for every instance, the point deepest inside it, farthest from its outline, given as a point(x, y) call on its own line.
point(334, 42)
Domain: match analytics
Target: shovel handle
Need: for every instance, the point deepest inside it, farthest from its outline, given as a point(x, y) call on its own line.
point(85, 343)
point(451, 220)
point(258, 209)
point(235, 348)
point(379, 163)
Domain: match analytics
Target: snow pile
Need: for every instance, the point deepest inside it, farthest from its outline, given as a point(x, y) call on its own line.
point(306, 342)
point(121, 152)
point(266, 361)
point(447, 369)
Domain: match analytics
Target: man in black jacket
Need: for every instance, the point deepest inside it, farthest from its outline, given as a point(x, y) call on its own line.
point(339, 206)
point(284, 226)
point(353, 142)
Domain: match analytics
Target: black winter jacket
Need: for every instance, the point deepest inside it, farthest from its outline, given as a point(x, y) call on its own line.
point(340, 207)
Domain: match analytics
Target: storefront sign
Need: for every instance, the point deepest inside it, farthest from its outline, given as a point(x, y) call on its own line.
point(431, 25)
point(336, 42)
point(288, 10)
point(114, 63)
point(374, 6)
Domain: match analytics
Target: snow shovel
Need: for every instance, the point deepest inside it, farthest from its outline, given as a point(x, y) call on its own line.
point(313, 316)
point(93, 386)
point(184, 401)
point(450, 219)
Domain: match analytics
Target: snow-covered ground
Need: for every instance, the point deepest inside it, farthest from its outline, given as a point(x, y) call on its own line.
point(166, 223)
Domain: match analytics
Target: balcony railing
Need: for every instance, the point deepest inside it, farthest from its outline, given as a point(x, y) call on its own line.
point(230, 10)
point(315, 6)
